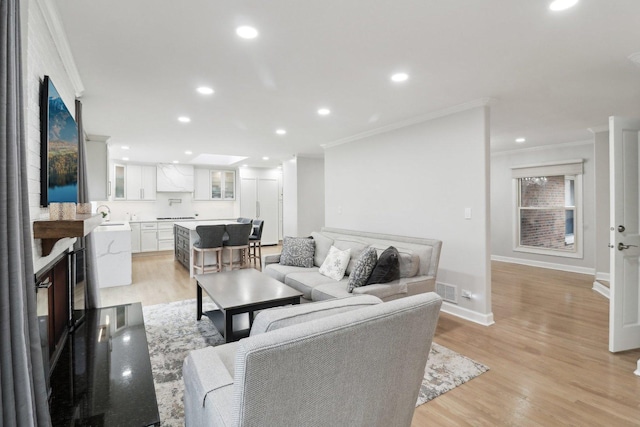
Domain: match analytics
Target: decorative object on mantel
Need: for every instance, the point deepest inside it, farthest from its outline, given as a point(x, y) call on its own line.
point(84, 208)
point(55, 211)
point(53, 230)
point(172, 333)
point(68, 211)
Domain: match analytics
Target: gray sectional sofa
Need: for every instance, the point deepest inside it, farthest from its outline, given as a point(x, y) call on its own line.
point(418, 266)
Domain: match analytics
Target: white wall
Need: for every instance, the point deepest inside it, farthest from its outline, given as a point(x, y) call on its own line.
point(503, 204)
point(303, 196)
point(602, 251)
point(43, 58)
point(417, 181)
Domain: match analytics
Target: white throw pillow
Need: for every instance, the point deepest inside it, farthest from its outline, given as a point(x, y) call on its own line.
point(335, 263)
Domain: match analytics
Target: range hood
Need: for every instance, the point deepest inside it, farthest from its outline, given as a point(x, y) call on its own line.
point(174, 178)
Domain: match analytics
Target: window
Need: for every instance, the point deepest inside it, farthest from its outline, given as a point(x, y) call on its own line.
point(548, 216)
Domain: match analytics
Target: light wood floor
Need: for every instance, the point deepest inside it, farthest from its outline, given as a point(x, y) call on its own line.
point(547, 352)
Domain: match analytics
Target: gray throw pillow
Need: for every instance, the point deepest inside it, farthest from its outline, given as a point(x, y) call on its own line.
point(363, 268)
point(297, 251)
point(387, 269)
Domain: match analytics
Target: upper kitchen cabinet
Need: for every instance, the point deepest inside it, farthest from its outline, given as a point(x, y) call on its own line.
point(140, 182)
point(97, 167)
point(175, 178)
point(214, 185)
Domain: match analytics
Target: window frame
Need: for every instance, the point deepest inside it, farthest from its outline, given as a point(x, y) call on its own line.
point(573, 168)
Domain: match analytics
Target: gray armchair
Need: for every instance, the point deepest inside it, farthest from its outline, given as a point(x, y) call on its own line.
point(353, 361)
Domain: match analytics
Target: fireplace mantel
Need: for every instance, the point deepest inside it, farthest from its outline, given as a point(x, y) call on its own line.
point(52, 231)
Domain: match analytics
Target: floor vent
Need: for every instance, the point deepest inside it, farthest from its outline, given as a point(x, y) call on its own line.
point(447, 292)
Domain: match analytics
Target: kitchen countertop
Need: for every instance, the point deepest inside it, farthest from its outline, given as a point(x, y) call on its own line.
point(112, 226)
point(175, 220)
point(191, 225)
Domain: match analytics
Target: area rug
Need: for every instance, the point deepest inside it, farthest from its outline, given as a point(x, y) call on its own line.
point(172, 332)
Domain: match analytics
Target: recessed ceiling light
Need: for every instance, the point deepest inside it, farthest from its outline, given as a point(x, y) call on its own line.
point(400, 77)
point(281, 131)
point(188, 152)
point(184, 119)
point(247, 32)
point(125, 159)
point(205, 90)
point(265, 158)
point(557, 5)
point(244, 166)
point(324, 111)
point(125, 147)
point(520, 140)
point(175, 161)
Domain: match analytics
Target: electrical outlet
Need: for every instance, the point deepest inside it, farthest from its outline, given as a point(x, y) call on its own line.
point(466, 294)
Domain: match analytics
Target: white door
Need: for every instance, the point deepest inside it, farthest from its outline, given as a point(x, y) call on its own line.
point(624, 311)
point(268, 210)
point(248, 197)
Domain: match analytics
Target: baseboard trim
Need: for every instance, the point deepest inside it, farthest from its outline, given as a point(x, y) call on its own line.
point(603, 276)
point(601, 289)
point(542, 264)
point(466, 314)
point(637, 371)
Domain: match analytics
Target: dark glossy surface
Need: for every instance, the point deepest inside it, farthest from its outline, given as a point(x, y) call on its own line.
point(103, 376)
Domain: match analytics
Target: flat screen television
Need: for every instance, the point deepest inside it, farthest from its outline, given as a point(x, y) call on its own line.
point(58, 148)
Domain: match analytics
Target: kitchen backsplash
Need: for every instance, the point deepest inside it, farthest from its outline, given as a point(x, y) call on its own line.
point(171, 205)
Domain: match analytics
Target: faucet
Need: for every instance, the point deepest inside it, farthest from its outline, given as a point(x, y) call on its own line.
point(104, 214)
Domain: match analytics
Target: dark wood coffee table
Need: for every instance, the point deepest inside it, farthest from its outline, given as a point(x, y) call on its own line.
point(238, 294)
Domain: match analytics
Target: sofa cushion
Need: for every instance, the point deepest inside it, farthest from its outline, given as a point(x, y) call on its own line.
point(323, 244)
point(297, 251)
point(279, 271)
point(387, 268)
point(336, 263)
point(280, 317)
point(363, 268)
point(356, 246)
point(331, 290)
point(305, 281)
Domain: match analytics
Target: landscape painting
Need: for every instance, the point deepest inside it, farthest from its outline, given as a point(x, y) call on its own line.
point(62, 149)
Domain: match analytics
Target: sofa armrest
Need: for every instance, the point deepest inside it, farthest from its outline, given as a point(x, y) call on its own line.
point(383, 290)
point(204, 372)
point(280, 317)
point(272, 259)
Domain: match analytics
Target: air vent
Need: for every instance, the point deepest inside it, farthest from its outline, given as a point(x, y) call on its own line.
point(447, 292)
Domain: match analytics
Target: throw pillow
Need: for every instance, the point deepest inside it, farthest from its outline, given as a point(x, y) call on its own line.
point(363, 268)
point(297, 252)
point(335, 263)
point(387, 269)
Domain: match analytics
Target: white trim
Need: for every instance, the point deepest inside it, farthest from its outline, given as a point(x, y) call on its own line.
point(56, 29)
point(544, 147)
point(543, 264)
point(482, 102)
point(601, 289)
point(637, 371)
point(603, 276)
point(466, 314)
point(598, 129)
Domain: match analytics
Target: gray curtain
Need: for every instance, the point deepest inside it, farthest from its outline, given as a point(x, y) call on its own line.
point(93, 290)
point(22, 381)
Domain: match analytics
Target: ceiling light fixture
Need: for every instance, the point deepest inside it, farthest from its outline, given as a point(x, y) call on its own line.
point(205, 90)
point(175, 161)
point(184, 119)
point(558, 5)
point(244, 166)
point(324, 111)
point(520, 140)
point(265, 158)
point(188, 152)
point(400, 77)
point(125, 159)
point(247, 32)
point(125, 147)
point(281, 131)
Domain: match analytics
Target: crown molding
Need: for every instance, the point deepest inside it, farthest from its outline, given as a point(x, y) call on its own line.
point(598, 129)
point(56, 29)
point(482, 102)
point(543, 147)
point(98, 138)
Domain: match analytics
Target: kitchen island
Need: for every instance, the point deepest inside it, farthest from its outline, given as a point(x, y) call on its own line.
point(112, 241)
point(185, 236)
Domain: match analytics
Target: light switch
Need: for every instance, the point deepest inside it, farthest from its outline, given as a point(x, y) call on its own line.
point(467, 213)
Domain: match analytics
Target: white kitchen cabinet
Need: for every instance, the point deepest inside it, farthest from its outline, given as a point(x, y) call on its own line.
point(97, 169)
point(175, 178)
point(148, 236)
point(259, 200)
point(135, 238)
point(213, 184)
point(119, 182)
point(140, 182)
point(165, 236)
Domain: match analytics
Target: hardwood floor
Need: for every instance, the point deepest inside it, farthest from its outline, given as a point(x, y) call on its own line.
point(547, 352)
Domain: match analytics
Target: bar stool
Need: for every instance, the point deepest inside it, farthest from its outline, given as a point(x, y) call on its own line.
point(255, 241)
point(238, 238)
point(211, 238)
point(242, 220)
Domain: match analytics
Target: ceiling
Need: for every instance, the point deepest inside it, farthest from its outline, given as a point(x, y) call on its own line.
point(550, 75)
